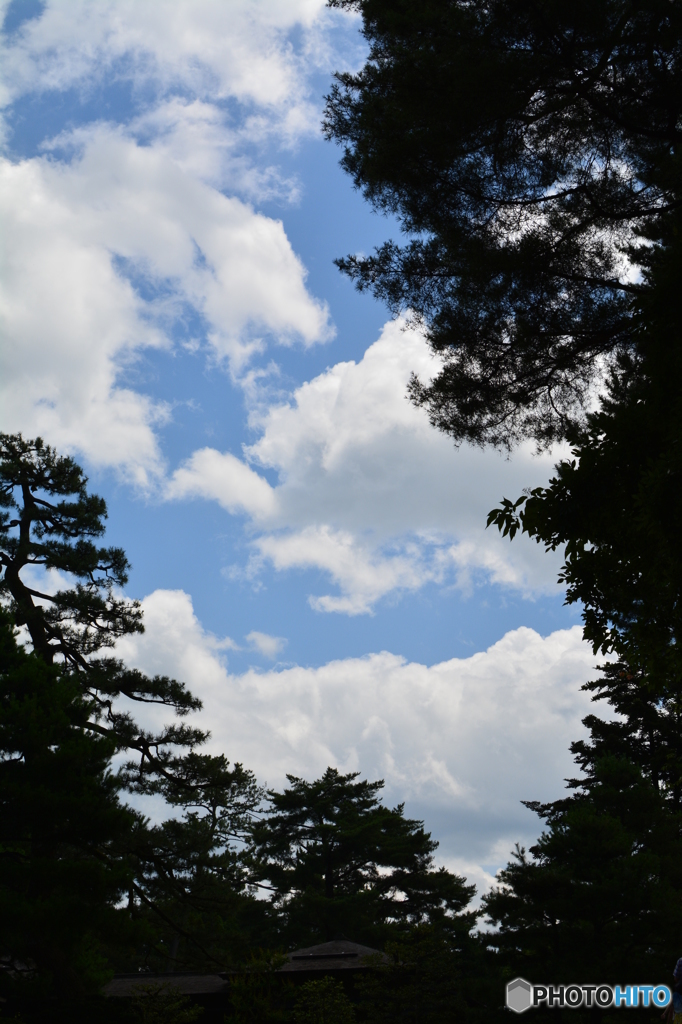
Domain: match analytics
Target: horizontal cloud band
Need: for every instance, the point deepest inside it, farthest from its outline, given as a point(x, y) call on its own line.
point(464, 741)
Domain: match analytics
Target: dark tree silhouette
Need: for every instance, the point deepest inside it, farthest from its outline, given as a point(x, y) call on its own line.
point(531, 155)
point(48, 522)
point(338, 861)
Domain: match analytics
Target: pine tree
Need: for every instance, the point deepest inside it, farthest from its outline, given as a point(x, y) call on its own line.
point(62, 832)
point(191, 879)
point(47, 524)
point(339, 862)
point(614, 505)
point(600, 896)
point(86, 881)
point(601, 892)
point(531, 155)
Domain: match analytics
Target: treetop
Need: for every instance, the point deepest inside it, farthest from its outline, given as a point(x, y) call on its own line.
point(530, 155)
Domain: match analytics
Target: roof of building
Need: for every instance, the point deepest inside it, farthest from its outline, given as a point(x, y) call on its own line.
point(337, 955)
point(190, 984)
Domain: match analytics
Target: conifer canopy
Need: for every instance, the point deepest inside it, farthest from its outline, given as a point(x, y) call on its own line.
point(530, 154)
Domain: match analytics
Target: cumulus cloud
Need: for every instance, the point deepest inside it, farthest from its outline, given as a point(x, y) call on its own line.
point(370, 493)
point(59, 293)
point(463, 741)
point(79, 238)
point(135, 229)
point(201, 139)
point(108, 248)
point(351, 433)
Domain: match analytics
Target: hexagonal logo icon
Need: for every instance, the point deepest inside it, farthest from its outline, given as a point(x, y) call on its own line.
point(519, 995)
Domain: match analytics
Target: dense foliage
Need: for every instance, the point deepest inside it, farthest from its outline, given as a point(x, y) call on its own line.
point(614, 505)
point(340, 863)
point(90, 885)
point(602, 887)
point(530, 153)
point(62, 830)
point(600, 895)
point(87, 883)
point(47, 522)
point(190, 879)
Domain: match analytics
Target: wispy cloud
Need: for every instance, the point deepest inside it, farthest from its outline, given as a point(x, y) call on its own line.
point(269, 646)
point(241, 50)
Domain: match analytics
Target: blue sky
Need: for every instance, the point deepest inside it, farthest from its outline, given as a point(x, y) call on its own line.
point(311, 553)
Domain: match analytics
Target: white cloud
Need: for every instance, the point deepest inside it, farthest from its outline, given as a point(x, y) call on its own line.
point(363, 573)
point(463, 741)
point(268, 646)
point(190, 652)
point(208, 48)
point(225, 479)
point(70, 319)
point(367, 491)
point(370, 493)
point(59, 294)
point(201, 139)
point(144, 202)
point(353, 447)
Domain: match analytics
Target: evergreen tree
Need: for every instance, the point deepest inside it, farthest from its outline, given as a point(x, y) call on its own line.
point(190, 875)
point(62, 830)
point(601, 893)
point(614, 505)
point(47, 522)
point(600, 896)
point(71, 850)
point(323, 1002)
point(430, 978)
point(339, 862)
point(531, 155)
